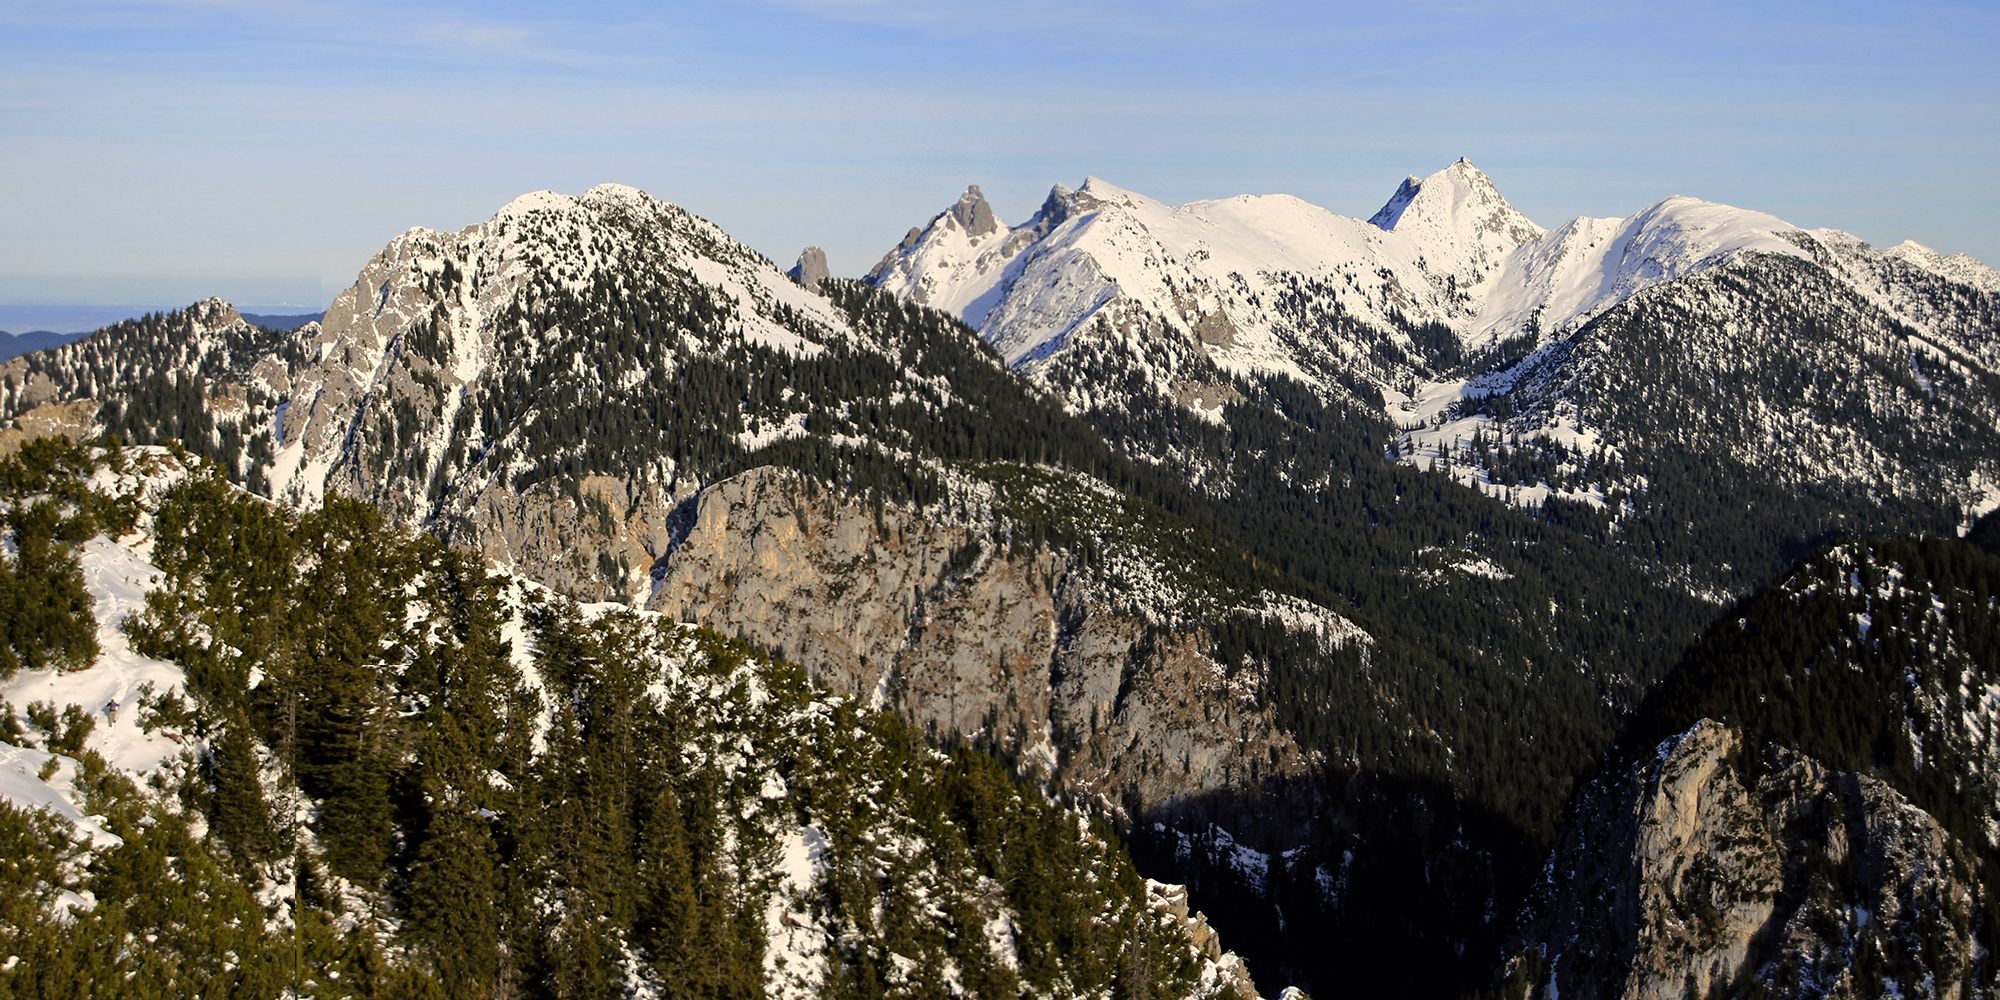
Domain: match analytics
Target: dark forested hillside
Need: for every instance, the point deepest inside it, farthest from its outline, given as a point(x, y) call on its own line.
point(1876, 656)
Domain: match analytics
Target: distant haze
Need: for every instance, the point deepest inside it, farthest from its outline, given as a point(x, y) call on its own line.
point(160, 152)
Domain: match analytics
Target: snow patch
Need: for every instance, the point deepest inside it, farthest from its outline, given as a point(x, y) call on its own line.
point(795, 956)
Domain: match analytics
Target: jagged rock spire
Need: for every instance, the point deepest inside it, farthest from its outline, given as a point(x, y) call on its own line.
point(811, 268)
point(973, 213)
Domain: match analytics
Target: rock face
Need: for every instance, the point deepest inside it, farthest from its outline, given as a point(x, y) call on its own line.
point(973, 213)
point(936, 615)
point(1716, 869)
point(811, 268)
point(74, 420)
point(1224, 971)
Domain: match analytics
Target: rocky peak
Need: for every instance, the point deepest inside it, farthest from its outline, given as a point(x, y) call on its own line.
point(1458, 224)
point(973, 214)
point(1058, 206)
point(212, 314)
point(1392, 210)
point(811, 268)
point(898, 268)
point(1461, 201)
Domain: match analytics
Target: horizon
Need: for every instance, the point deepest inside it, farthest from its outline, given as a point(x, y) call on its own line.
point(159, 153)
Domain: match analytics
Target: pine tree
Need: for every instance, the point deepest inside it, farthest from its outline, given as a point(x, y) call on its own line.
point(239, 813)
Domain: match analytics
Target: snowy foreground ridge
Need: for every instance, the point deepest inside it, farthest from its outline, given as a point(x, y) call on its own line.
point(117, 576)
point(754, 723)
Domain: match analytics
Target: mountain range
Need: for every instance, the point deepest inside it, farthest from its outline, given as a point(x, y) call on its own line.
point(1338, 564)
point(13, 345)
point(1562, 350)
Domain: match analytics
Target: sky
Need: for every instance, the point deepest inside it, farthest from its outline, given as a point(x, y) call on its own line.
point(155, 153)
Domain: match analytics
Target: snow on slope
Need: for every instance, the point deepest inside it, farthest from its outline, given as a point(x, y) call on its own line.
point(1461, 221)
point(613, 236)
point(1209, 271)
point(1557, 283)
point(1446, 249)
point(1958, 267)
point(117, 577)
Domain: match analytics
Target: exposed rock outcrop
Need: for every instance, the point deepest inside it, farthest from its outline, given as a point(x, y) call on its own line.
point(935, 614)
point(1223, 972)
point(973, 213)
point(1716, 869)
point(75, 420)
point(811, 268)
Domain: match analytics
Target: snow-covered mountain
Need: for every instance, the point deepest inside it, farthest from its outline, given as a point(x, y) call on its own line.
point(1445, 249)
point(1217, 274)
point(437, 313)
point(609, 396)
point(1584, 363)
point(490, 383)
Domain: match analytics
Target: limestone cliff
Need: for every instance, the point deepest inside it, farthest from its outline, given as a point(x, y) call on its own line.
point(938, 614)
point(1723, 868)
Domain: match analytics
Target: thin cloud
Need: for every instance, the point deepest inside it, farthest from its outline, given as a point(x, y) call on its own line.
point(494, 39)
point(431, 28)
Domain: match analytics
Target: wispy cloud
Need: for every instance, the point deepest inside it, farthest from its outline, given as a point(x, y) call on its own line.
point(513, 41)
point(1099, 24)
point(376, 28)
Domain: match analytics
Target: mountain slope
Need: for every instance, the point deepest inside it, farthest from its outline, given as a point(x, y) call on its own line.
point(1712, 416)
point(1807, 806)
point(1610, 365)
point(1557, 282)
point(477, 787)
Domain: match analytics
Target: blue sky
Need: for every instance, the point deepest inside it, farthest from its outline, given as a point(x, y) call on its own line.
point(155, 152)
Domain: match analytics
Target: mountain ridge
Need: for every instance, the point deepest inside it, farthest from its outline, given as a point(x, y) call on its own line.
point(1259, 563)
point(1463, 315)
